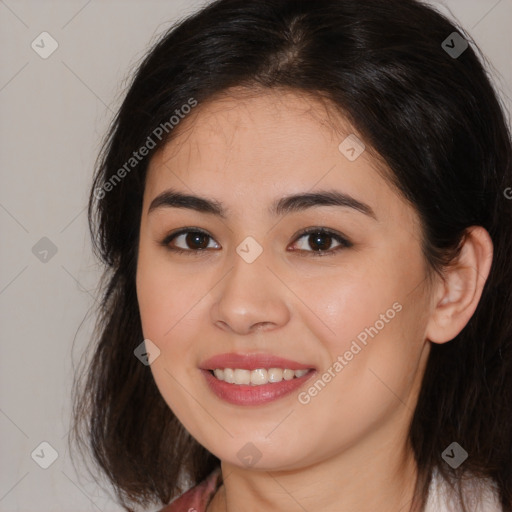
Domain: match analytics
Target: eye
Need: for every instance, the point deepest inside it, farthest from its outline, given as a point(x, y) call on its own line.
point(317, 241)
point(320, 240)
point(191, 240)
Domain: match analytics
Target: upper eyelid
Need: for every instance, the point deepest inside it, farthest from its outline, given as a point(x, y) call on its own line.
point(342, 239)
point(172, 236)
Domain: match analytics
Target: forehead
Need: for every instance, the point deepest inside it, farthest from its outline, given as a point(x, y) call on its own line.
point(251, 146)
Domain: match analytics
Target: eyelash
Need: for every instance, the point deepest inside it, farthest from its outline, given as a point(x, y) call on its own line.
point(344, 243)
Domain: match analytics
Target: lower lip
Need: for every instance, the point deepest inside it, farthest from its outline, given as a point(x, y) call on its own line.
point(243, 394)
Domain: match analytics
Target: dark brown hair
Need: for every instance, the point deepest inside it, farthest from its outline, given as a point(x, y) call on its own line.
point(435, 120)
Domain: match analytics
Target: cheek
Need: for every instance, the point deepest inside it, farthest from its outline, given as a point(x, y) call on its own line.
point(157, 301)
point(374, 322)
point(375, 352)
point(165, 296)
point(370, 374)
point(168, 318)
point(350, 306)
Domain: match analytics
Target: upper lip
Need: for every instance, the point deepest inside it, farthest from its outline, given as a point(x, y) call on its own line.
point(251, 362)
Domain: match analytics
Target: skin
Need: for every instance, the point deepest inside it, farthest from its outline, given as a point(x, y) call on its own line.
point(347, 449)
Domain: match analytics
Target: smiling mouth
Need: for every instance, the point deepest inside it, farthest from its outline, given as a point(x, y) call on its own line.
point(257, 377)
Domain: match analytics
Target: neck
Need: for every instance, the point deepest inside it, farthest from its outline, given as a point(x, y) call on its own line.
point(384, 481)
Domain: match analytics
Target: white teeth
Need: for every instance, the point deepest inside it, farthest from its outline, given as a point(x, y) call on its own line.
point(242, 376)
point(275, 375)
point(288, 374)
point(257, 377)
point(228, 375)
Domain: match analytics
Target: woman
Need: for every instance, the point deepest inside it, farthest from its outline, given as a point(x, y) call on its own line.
point(301, 208)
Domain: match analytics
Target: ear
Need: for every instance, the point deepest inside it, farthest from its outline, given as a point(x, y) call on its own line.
point(456, 296)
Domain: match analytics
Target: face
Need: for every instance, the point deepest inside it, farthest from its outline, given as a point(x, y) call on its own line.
point(335, 284)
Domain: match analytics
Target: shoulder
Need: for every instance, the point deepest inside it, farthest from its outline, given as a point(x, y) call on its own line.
point(197, 498)
point(481, 495)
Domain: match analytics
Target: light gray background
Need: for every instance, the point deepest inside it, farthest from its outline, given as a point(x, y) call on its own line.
point(54, 113)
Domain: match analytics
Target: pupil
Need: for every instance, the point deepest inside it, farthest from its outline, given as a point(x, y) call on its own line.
point(197, 240)
point(317, 241)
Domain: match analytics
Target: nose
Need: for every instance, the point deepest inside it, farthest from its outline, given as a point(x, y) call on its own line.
point(250, 298)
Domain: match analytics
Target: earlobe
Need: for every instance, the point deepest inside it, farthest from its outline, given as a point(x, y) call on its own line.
point(459, 292)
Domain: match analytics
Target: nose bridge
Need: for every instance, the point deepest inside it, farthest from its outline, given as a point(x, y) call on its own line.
point(249, 266)
point(250, 295)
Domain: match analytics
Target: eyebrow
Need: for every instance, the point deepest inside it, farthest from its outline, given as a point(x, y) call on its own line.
point(286, 205)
